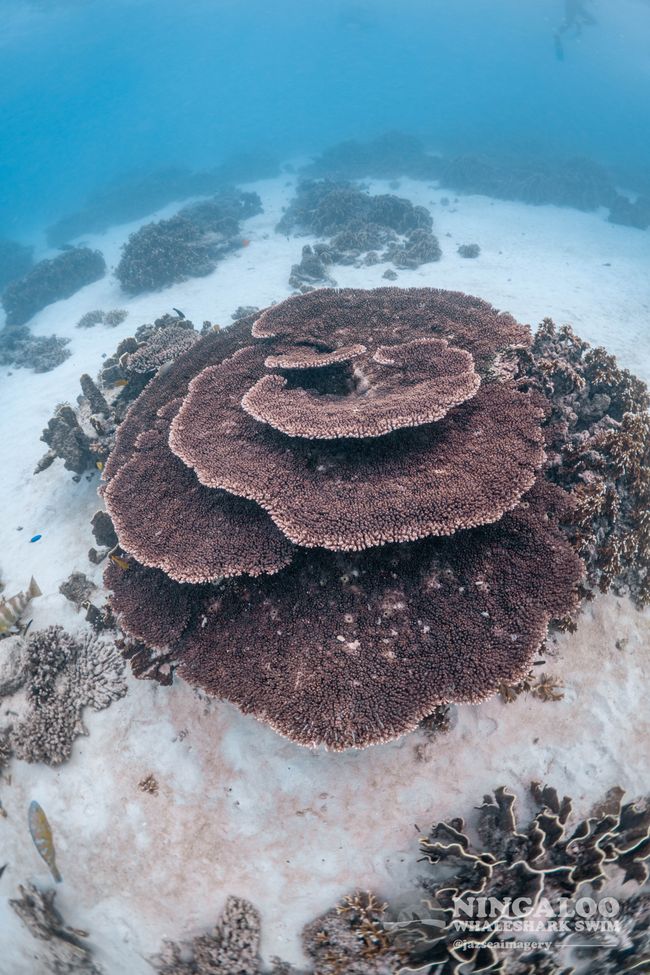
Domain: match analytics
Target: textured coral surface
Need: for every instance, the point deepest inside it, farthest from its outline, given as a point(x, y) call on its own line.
point(450, 595)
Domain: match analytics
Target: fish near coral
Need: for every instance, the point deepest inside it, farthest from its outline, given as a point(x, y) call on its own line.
point(119, 561)
point(41, 833)
point(12, 609)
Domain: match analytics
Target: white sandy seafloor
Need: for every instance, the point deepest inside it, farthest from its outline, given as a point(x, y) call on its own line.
point(241, 810)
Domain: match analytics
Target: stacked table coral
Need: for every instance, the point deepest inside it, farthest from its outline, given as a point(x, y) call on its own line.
point(336, 517)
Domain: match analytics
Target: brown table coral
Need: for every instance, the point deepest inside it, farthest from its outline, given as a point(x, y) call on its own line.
point(336, 515)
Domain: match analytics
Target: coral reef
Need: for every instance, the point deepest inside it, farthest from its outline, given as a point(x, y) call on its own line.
point(469, 250)
point(598, 447)
point(110, 318)
point(553, 857)
point(358, 225)
point(63, 951)
point(77, 588)
point(340, 519)
point(83, 437)
point(630, 214)
point(51, 280)
point(189, 244)
point(15, 261)
point(385, 157)
point(63, 675)
point(137, 195)
point(20, 348)
point(578, 183)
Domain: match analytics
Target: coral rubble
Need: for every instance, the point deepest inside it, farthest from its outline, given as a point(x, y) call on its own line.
point(63, 951)
point(51, 280)
point(340, 518)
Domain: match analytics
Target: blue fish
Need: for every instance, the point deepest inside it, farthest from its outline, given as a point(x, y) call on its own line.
point(35, 538)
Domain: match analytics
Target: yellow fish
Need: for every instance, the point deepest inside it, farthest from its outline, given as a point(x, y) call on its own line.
point(123, 564)
point(41, 833)
point(99, 464)
point(121, 382)
point(12, 609)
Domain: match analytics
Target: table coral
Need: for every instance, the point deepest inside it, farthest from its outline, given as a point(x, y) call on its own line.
point(437, 586)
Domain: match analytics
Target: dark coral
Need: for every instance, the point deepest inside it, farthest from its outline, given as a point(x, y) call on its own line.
point(384, 157)
point(188, 244)
point(16, 260)
point(469, 250)
point(51, 280)
point(342, 647)
point(630, 214)
point(62, 949)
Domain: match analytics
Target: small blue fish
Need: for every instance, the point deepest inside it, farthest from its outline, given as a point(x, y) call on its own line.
point(41, 833)
point(35, 538)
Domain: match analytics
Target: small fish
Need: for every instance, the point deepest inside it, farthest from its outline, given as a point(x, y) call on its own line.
point(3, 868)
point(178, 312)
point(245, 242)
point(12, 609)
point(36, 538)
point(121, 382)
point(99, 464)
point(41, 833)
point(122, 563)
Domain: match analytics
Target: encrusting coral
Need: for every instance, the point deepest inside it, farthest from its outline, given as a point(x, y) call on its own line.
point(62, 675)
point(63, 951)
point(338, 518)
point(51, 280)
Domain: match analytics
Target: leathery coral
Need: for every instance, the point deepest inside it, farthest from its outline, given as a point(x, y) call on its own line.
point(344, 551)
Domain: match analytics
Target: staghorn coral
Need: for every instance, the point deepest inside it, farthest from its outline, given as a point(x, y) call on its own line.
point(598, 445)
point(51, 280)
point(64, 674)
point(419, 247)
point(63, 951)
point(553, 857)
point(419, 558)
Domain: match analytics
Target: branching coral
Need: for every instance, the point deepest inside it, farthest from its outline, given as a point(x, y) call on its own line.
point(598, 445)
point(231, 949)
point(51, 280)
point(401, 481)
point(63, 951)
point(189, 244)
point(21, 348)
point(64, 674)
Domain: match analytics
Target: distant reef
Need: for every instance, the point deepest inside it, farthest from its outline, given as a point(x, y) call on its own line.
point(51, 280)
point(187, 245)
point(16, 260)
point(136, 195)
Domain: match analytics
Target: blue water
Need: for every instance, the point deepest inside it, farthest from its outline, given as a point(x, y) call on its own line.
point(91, 89)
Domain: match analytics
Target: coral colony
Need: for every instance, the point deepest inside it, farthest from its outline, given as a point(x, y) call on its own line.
point(359, 505)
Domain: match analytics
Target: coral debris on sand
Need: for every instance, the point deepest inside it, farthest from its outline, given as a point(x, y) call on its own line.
point(61, 948)
point(339, 563)
point(527, 871)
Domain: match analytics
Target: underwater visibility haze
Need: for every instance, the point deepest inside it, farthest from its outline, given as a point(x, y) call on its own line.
point(324, 364)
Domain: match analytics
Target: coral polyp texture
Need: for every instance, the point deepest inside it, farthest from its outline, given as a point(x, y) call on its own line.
point(336, 514)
